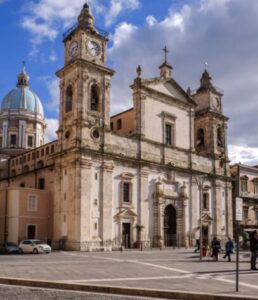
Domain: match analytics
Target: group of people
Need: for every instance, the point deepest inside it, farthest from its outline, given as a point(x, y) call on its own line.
point(215, 248)
point(229, 246)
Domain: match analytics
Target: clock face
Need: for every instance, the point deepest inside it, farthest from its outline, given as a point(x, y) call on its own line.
point(93, 48)
point(73, 49)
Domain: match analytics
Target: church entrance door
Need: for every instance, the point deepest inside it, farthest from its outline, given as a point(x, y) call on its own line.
point(126, 235)
point(170, 226)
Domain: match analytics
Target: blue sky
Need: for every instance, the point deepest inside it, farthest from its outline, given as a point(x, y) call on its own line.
point(222, 32)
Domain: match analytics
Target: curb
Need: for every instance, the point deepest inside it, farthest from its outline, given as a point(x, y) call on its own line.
point(122, 290)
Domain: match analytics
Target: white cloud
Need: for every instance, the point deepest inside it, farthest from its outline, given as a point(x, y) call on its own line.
point(54, 92)
point(50, 133)
point(117, 6)
point(151, 21)
point(122, 34)
point(243, 154)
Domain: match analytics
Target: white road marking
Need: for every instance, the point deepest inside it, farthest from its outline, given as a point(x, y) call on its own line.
point(206, 276)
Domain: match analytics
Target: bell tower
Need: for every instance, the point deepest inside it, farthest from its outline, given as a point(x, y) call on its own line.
point(84, 84)
point(210, 123)
point(84, 122)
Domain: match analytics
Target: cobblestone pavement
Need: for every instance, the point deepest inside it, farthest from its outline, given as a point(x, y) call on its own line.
point(173, 269)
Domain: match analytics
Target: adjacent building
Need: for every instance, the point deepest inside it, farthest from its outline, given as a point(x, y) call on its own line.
point(245, 186)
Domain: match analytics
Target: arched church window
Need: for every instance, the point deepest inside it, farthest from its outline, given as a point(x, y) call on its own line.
point(200, 137)
point(219, 137)
point(94, 97)
point(69, 99)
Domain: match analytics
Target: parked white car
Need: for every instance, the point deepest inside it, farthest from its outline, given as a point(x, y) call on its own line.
point(34, 246)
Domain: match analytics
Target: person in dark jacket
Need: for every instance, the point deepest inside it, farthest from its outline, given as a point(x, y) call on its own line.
point(253, 248)
point(215, 246)
point(228, 249)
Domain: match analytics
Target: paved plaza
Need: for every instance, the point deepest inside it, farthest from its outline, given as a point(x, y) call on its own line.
point(167, 270)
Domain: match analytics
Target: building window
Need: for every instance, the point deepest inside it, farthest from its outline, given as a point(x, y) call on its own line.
point(1, 141)
point(47, 151)
point(29, 157)
point(13, 139)
point(96, 176)
point(168, 134)
point(42, 152)
point(256, 187)
point(126, 192)
point(95, 201)
point(200, 138)
point(94, 97)
point(32, 204)
point(243, 184)
point(95, 226)
point(111, 125)
point(52, 148)
point(41, 183)
point(69, 99)
point(119, 124)
point(256, 214)
point(30, 141)
point(205, 201)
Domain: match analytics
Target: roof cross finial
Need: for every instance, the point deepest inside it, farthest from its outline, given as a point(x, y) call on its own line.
point(24, 66)
point(165, 52)
point(206, 65)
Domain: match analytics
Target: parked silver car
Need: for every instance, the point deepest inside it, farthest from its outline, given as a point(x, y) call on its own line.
point(34, 246)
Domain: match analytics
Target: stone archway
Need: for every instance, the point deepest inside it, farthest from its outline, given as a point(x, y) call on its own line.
point(170, 226)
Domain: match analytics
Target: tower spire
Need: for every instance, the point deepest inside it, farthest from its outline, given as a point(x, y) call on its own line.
point(86, 19)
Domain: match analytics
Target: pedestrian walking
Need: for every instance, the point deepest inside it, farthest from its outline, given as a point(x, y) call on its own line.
point(197, 246)
point(229, 249)
point(253, 248)
point(215, 247)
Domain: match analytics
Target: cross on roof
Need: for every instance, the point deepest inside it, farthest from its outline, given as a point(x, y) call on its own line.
point(166, 52)
point(24, 65)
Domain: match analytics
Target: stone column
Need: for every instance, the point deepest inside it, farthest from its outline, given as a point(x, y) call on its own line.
point(106, 215)
point(144, 203)
point(85, 202)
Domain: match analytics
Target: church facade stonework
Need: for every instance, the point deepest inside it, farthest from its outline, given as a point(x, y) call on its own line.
point(131, 178)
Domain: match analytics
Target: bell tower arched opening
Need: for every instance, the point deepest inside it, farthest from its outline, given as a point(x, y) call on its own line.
point(94, 97)
point(69, 99)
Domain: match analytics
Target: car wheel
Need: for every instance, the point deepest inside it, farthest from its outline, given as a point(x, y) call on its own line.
point(20, 251)
point(35, 251)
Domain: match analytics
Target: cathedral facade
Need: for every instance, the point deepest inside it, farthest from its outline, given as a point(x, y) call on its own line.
point(157, 173)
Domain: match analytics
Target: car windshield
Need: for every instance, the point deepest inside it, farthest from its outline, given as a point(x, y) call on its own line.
point(37, 242)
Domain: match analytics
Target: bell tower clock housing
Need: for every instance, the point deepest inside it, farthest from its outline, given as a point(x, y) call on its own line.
point(210, 123)
point(84, 84)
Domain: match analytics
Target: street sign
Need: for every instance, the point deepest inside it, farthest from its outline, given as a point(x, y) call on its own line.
point(239, 209)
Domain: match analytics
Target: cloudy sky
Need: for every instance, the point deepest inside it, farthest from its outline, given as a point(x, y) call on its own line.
point(223, 33)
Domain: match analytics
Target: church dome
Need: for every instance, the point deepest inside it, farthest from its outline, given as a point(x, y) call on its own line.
point(22, 97)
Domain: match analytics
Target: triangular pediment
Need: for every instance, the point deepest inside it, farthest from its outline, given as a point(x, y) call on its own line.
point(169, 88)
point(206, 218)
point(125, 213)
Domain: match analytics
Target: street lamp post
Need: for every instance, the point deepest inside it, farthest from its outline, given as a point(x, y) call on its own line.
point(200, 181)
